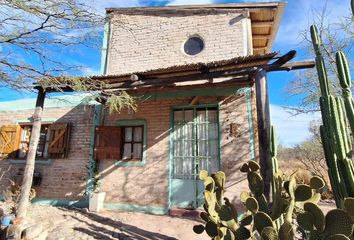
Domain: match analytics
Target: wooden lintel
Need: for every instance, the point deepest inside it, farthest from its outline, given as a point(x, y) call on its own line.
point(194, 101)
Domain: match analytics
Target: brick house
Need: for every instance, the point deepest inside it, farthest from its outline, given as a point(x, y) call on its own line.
point(193, 71)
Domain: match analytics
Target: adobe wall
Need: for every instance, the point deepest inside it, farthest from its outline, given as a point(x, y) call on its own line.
point(62, 178)
point(148, 184)
point(153, 41)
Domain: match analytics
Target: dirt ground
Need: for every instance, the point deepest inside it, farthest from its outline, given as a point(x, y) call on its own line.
point(80, 224)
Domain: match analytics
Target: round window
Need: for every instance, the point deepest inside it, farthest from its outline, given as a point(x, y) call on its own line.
point(193, 45)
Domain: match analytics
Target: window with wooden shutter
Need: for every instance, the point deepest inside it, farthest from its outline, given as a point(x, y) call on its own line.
point(9, 140)
point(108, 142)
point(59, 136)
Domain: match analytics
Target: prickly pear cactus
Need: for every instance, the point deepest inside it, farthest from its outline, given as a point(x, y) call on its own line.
point(337, 224)
point(220, 216)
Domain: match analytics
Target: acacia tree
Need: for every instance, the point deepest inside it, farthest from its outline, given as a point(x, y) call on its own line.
point(35, 35)
point(336, 36)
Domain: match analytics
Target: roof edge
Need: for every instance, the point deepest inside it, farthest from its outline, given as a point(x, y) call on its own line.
point(220, 6)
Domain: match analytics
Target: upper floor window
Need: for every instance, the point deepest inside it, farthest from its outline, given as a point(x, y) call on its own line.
point(193, 45)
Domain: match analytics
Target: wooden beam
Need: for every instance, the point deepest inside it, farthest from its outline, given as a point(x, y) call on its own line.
point(262, 23)
point(174, 80)
point(263, 119)
point(260, 36)
point(290, 66)
point(194, 101)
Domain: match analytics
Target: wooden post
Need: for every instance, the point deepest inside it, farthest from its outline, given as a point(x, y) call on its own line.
point(31, 156)
point(263, 119)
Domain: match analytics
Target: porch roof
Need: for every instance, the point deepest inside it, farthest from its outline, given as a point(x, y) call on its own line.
point(237, 70)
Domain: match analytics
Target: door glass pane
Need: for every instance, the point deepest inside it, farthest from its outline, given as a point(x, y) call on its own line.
point(128, 134)
point(138, 134)
point(212, 116)
point(188, 115)
point(137, 149)
point(127, 151)
point(178, 116)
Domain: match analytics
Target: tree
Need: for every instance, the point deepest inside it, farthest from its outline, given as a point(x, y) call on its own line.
point(310, 152)
point(34, 36)
point(337, 36)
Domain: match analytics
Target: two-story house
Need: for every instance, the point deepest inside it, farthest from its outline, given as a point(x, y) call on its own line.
point(192, 72)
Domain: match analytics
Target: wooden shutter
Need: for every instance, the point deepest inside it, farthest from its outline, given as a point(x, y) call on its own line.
point(108, 142)
point(59, 137)
point(9, 139)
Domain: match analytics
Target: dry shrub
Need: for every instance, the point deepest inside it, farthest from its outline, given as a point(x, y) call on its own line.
point(12, 196)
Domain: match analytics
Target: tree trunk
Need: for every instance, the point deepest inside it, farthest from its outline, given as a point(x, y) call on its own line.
point(263, 119)
point(31, 156)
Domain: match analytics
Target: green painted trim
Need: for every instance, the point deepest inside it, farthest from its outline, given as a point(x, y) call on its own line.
point(247, 92)
point(61, 202)
point(91, 161)
point(44, 120)
point(104, 50)
point(170, 162)
point(39, 162)
point(194, 107)
point(136, 208)
point(189, 93)
point(63, 101)
point(134, 122)
point(219, 136)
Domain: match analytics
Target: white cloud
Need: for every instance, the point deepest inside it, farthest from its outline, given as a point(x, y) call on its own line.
point(299, 15)
point(291, 129)
point(87, 71)
point(101, 5)
point(189, 2)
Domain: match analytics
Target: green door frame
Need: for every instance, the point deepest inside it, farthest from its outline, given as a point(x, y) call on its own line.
point(171, 160)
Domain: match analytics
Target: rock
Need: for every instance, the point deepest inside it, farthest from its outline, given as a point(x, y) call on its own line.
point(42, 236)
point(32, 231)
point(13, 232)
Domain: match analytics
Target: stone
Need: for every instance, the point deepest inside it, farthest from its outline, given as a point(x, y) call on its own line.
point(32, 231)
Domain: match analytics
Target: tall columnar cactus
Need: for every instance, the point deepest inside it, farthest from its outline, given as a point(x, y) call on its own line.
point(335, 134)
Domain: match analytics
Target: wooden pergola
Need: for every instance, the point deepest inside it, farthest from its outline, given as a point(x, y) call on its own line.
point(245, 70)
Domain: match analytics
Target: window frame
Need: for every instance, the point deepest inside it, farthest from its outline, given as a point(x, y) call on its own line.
point(47, 140)
point(132, 142)
point(133, 123)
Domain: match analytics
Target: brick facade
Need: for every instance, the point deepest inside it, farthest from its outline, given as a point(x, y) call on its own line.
point(149, 184)
point(140, 41)
point(62, 178)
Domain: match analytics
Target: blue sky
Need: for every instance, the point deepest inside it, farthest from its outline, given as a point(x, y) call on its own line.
point(297, 17)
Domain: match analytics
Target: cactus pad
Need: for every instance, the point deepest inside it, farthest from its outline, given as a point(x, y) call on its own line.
point(338, 222)
point(316, 183)
point(244, 196)
point(203, 175)
point(198, 229)
point(247, 220)
point(211, 229)
point(252, 205)
point(253, 166)
point(255, 183)
point(286, 231)
point(244, 168)
point(349, 206)
point(242, 233)
point(303, 192)
point(269, 233)
point(262, 220)
point(337, 237)
point(319, 219)
point(306, 220)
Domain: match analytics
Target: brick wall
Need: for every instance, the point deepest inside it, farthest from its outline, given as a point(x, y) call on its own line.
point(62, 178)
point(156, 40)
point(148, 184)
